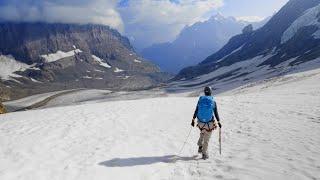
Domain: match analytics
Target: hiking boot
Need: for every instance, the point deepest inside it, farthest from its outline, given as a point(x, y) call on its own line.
point(205, 156)
point(200, 149)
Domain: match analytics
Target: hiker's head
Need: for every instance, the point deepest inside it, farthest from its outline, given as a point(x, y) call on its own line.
point(207, 91)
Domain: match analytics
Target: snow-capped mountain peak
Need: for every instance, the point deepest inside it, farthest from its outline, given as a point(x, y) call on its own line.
point(287, 42)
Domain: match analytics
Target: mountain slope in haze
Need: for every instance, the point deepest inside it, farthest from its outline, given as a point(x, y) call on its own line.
point(41, 57)
point(194, 43)
point(289, 38)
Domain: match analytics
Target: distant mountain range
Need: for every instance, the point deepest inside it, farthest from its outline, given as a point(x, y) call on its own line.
point(289, 41)
point(195, 42)
point(41, 57)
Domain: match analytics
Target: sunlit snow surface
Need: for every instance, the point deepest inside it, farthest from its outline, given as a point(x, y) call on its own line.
point(270, 131)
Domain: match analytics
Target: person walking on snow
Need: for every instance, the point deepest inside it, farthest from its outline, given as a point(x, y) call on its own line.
point(206, 112)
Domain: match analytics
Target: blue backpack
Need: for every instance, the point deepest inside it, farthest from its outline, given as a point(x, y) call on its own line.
point(206, 106)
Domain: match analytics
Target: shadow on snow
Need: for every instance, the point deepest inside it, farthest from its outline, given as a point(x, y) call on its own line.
point(139, 161)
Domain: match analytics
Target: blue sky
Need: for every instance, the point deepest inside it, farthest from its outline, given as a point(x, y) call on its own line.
point(240, 8)
point(253, 8)
point(144, 21)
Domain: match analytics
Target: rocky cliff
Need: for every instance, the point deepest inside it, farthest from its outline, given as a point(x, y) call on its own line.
point(41, 57)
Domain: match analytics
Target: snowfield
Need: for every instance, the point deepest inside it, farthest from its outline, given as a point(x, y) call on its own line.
point(270, 130)
point(59, 55)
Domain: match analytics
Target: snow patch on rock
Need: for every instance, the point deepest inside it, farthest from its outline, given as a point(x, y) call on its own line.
point(97, 70)
point(236, 50)
point(59, 55)
point(87, 77)
point(309, 18)
point(137, 61)
point(117, 70)
point(101, 61)
point(123, 77)
point(34, 80)
point(9, 65)
point(316, 35)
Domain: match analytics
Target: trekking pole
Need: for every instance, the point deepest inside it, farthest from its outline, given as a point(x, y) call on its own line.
point(185, 142)
point(220, 140)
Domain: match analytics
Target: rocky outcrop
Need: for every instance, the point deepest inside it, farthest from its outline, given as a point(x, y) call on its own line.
point(64, 56)
point(2, 108)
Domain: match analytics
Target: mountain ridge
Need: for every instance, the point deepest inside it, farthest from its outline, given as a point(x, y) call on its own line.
point(263, 41)
point(44, 57)
point(193, 43)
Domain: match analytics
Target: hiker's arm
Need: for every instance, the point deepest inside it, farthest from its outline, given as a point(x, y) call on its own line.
point(216, 114)
point(195, 113)
point(194, 116)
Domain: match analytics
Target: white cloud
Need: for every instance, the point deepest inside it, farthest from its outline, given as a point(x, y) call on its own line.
point(72, 11)
point(250, 18)
point(153, 21)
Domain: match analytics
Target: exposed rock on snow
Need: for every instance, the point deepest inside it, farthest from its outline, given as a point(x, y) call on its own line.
point(59, 55)
point(2, 109)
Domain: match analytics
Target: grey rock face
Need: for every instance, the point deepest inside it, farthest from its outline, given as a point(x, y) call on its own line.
point(28, 42)
point(247, 29)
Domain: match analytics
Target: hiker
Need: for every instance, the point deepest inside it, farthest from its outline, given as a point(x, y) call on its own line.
point(205, 112)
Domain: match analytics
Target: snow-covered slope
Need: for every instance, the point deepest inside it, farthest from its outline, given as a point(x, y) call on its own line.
point(270, 131)
point(309, 18)
point(241, 73)
point(259, 54)
point(9, 65)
